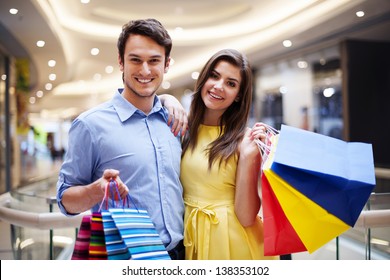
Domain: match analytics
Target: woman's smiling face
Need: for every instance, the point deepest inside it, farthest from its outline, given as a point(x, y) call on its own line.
point(222, 87)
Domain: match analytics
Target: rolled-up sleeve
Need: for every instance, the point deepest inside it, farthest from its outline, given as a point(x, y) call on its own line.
point(77, 166)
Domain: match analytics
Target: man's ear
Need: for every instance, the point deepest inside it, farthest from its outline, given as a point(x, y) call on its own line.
point(167, 63)
point(120, 62)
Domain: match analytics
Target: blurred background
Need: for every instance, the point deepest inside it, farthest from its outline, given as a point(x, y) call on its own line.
point(320, 65)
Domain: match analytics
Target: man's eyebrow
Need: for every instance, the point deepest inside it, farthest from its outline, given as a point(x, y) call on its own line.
point(136, 55)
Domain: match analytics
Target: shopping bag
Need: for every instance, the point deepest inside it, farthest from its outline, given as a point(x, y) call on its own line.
point(337, 175)
point(97, 246)
point(81, 247)
point(98, 238)
point(139, 234)
point(279, 235)
point(313, 223)
point(115, 246)
point(132, 228)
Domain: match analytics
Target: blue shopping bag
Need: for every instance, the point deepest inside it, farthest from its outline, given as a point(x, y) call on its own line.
point(129, 231)
point(115, 246)
point(337, 175)
point(139, 234)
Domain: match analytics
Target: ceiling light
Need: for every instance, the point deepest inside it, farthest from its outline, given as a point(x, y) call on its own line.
point(109, 69)
point(283, 89)
point(48, 86)
point(97, 77)
point(39, 93)
point(4, 77)
point(166, 85)
point(94, 51)
point(287, 43)
point(51, 63)
point(52, 77)
point(360, 14)
point(13, 11)
point(195, 75)
point(328, 92)
point(32, 100)
point(40, 43)
point(84, 1)
point(302, 64)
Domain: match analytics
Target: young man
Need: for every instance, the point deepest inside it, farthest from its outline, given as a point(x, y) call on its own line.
point(129, 136)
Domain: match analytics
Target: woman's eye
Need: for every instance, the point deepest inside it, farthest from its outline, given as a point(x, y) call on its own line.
point(213, 75)
point(232, 84)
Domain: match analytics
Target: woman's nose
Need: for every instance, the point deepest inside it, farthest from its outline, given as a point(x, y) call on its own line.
point(219, 85)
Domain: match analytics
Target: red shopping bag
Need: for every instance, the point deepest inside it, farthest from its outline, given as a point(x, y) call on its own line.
point(279, 235)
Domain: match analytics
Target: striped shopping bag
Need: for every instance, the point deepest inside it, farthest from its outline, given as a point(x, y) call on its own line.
point(81, 246)
point(115, 246)
point(97, 246)
point(139, 234)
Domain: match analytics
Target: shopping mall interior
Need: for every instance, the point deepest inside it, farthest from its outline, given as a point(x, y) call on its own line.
point(318, 65)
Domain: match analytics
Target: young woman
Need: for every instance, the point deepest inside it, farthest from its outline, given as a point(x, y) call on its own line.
point(221, 163)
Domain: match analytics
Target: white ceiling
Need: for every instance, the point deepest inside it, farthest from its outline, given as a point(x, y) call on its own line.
point(256, 27)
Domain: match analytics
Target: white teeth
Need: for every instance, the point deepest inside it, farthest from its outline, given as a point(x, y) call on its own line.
point(215, 96)
point(144, 81)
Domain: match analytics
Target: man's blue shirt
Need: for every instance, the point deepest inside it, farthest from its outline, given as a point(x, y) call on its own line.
point(117, 135)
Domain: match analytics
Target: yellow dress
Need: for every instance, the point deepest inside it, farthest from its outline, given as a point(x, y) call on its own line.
point(211, 228)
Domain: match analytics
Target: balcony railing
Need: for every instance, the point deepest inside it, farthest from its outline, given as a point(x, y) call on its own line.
point(39, 231)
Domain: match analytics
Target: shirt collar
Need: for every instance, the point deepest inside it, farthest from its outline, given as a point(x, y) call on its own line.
point(125, 109)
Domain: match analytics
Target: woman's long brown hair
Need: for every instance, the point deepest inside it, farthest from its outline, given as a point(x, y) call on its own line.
point(234, 120)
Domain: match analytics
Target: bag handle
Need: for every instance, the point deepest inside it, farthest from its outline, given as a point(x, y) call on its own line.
point(266, 145)
point(112, 187)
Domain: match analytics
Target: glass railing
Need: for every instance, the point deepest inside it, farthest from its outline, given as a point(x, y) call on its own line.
point(38, 231)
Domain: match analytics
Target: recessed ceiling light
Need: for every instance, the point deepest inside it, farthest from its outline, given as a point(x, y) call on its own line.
point(94, 51)
point(283, 89)
point(360, 14)
point(287, 43)
point(13, 11)
point(166, 85)
point(195, 75)
point(302, 64)
point(52, 77)
point(51, 63)
point(40, 43)
point(97, 77)
point(109, 69)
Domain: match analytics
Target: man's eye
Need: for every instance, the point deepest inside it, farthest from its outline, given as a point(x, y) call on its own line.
point(155, 61)
point(135, 60)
